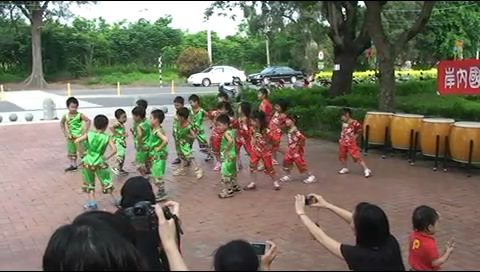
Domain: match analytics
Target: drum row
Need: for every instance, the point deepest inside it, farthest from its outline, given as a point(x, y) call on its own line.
point(434, 135)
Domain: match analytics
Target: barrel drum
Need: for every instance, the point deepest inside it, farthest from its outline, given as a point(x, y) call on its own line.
point(430, 129)
point(377, 123)
point(461, 134)
point(401, 127)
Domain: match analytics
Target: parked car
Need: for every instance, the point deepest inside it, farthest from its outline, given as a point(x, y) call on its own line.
point(275, 74)
point(216, 75)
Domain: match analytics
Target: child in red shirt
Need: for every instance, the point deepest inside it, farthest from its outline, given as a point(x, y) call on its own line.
point(265, 105)
point(276, 126)
point(348, 143)
point(217, 133)
point(422, 251)
point(296, 152)
point(261, 150)
point(242, 135)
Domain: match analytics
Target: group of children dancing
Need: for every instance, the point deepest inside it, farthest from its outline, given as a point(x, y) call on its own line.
point(259, 132)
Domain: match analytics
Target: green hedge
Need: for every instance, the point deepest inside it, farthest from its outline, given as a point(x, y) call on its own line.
point(320, 114)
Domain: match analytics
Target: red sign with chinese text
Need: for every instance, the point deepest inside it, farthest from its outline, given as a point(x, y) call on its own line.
point(458, 77)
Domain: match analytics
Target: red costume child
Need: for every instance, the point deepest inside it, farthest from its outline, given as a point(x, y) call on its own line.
point(265, 105)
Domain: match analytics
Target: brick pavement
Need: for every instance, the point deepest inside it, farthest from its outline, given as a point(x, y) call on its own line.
point(36, 197)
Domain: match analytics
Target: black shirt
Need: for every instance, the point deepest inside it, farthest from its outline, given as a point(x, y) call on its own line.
point(385, 258)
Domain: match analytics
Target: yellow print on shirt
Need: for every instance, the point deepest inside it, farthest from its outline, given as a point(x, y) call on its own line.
point(415, 244)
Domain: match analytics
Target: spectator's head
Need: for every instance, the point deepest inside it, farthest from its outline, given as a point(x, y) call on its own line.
point(281, 105)
point(91, 246)
point(116, 222)
point(223, 122)
point(182, 114)
point(371, 225)
point(138, 113)
point(346, 114)
point(142, 103)
point(134, 190)
point(72, 105)
point(262, 94)
point(156, 118)
point(236, 255)
point(121, 116)
point(100, 122)
point(245, 109)
point(225, 108)
point(291, 120)
point(258, 120)
point(424, 219)
point(222, 97)
point(194, 101)
point(178, 102)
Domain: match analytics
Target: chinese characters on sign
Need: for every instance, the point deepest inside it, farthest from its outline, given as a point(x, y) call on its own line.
point(459, 77)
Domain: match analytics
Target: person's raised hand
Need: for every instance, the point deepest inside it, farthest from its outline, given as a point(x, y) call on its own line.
point(269, 256)
point(166, 228)
point(320, 202)
point(450, 246)
point(300, 204)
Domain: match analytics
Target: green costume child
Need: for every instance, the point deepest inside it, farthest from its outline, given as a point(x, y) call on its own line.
point(158, 155)
point(142, 146)
point(196, 118)
point(119, 138)
point(228, 168)
point(74, 130)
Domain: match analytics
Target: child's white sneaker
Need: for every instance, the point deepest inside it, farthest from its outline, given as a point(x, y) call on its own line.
point(344, 171)
point(368, 173)
point(310, 179)
point(285, 178)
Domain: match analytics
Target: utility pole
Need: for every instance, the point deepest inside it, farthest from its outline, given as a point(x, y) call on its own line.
point(267, 48)
point(160, 70)
point(209, 44)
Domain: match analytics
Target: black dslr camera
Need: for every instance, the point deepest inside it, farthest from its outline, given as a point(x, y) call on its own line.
point(143, 216)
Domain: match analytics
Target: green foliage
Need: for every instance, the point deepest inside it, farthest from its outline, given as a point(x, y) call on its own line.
point(192, 60)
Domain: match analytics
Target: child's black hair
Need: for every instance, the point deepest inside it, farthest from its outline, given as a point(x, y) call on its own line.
point(263, 91)
point(223, 119)
point(139, 111)
point(222, 95)
point(283, 103)
point(119, 113)
point(142, 102)
point(100, 122)
point(194, 98)
point(227, 106)
point(347, 111)
point(158, 115)
point(246, 108)
point(183, 112)
point(179, 100)
point(72, 100)
point(424, 216)
point(294, 117)
point(260, 117)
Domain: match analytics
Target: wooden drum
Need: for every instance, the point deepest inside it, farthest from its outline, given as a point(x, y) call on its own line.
point(377, 122)
point(400, 129)
point(460, 136)
point(431, 128)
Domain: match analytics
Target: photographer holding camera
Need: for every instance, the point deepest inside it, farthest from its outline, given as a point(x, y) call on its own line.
point(376, 249)
point(137, 206)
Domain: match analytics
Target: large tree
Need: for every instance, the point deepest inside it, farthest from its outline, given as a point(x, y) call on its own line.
point(388, 48)
point(35, 12)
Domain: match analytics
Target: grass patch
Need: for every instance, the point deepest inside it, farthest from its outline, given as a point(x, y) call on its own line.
point(110, 77)
point(7, 78)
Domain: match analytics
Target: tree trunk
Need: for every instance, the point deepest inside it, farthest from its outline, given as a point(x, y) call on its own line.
point(36, 79)
point(387, 82)
point(342, 79)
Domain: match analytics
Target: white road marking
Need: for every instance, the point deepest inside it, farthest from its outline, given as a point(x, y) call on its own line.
point(33, 100)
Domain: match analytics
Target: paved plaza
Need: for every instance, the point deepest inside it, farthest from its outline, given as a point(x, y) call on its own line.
point(36, 197)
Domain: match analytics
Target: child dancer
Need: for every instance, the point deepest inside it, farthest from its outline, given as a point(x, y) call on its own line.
point(93, 161)
point(228, 157)
point(142, 137)
point(243, 134)
point(119, 136)
point(144, 104)
point(74, 125)
point(348, 143)
point(178, 103)
point(276, 126)
point(182, 132)
point(265, 105)
point(158, 153)
point(261, 150)
point(423, 253)
point(296, 152)
point(197, 116)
